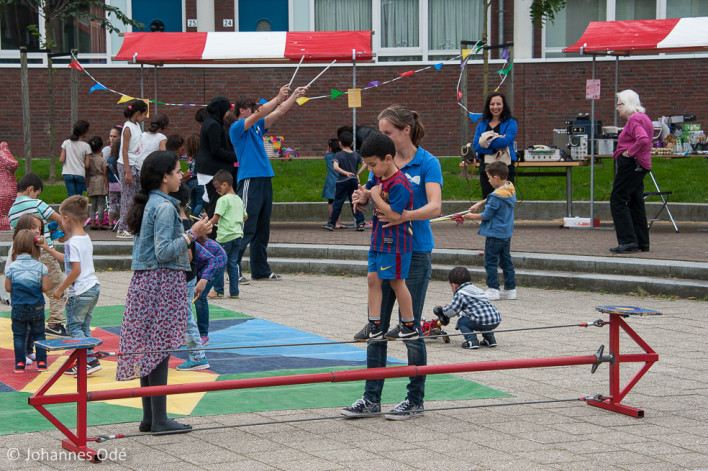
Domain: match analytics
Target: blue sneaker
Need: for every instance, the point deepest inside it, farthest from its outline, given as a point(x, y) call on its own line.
point(190, 365)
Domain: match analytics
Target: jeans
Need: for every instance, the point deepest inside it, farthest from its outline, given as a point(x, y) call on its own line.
point(27, 317)
point(79, 312)
point(627, 203)
point(75, 184)
point(231, 248)
point(344, 191)
point(191, 337)
point(196, 192)
point(202, 304)
point(417, 283)
point(498, 252)
point(468, 326)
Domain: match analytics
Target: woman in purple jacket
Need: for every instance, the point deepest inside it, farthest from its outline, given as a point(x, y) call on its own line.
point(633, 161)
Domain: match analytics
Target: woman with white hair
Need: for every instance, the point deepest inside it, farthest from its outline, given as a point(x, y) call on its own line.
point(633, 161)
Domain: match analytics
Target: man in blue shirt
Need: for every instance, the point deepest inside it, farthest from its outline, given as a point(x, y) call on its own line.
point(255, 173)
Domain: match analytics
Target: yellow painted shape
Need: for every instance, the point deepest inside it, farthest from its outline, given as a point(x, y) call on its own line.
point(6, 341)
point(105, 379)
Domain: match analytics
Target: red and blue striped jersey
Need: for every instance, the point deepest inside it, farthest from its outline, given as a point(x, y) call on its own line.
point(397, 192)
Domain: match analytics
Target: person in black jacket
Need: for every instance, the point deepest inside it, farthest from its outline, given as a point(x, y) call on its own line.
point(215, 150)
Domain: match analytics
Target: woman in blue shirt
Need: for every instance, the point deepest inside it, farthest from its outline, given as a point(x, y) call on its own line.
point(423, 171)
point(156, 306)
point(497, 118)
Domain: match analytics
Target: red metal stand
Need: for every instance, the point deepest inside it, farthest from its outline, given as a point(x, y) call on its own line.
point(78, 442)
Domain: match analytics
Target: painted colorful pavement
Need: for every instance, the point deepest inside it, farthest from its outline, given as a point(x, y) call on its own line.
point(226, 328)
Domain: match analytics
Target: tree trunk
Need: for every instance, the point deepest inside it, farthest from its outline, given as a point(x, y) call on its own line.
point(52, 136)
point(26, 119)
point(485, 52)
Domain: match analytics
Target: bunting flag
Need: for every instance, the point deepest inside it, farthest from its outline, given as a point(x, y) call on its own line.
point(75, 65)
point(262, 101)
point(505, 70)
point(336, 93)
point(475, 116)
point(302, 100)
point(438, 66)
point(466, 53)
point(372, 84)
point(98, 86)
point(505, 54)
point(125, 98)
point(407, 73)
point(464, 63)
point(459, 95)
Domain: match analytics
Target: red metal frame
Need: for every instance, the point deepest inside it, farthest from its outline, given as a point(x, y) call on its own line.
point(649, 358)
point(77, 442)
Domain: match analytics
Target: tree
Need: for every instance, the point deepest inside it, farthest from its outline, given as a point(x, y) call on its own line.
point(541, 11)
point(94, 11)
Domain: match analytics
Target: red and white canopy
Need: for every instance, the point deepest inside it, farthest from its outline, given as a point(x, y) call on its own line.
point(220, 47)
point(643, 37)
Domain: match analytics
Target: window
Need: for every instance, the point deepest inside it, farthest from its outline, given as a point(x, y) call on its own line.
point(399, 23)
point(79, 33)
point(342, 15)
point(13, 28)
point(451, 21)
point(571, 22)
point(635, 10)
point(685, 8)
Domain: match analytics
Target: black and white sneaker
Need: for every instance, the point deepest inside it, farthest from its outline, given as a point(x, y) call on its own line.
point(471, 344)
point(402, 332)
point(93, 366)
point(370, 331)
point(243, 280)
point(56, 331)
point(405, 410)
point(362, 408)
point(490, 342)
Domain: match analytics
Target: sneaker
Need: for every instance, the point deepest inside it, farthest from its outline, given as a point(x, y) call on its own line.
point(41, 366)
point(490, 342)
point(124, 235)
point(28, 361)
point(93, 366)
point(190, 365)
point(492, 294)
point(272, 276)
point(327, 227)
point(19, 367)
point(234, 296)
point(370, 331)
point(71, 371)
point(405, 410)
point(471, 344)
point(362, 408)
point(508, 294)
point(401, 332)
point(57, 331)
point(243, 280)
point(205, 340)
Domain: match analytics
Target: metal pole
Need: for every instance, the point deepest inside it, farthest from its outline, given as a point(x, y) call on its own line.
point(142, 90)
point(354, 107)
point(617, 64)
point(464, 118)
point(155, 95)
point(74, 90)
point(592, 154)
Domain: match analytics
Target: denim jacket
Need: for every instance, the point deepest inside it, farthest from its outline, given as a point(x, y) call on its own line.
point(160, 243)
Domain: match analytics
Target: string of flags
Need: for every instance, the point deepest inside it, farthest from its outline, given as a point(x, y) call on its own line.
point(334, 93)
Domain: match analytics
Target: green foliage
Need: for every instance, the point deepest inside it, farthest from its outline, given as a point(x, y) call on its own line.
point(545, 10)
point(302, 180)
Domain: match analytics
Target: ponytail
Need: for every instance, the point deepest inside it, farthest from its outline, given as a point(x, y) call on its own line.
point(134, 106)
point(401, 117)
point(80, 128)
point(134, 219)
point(159, 122)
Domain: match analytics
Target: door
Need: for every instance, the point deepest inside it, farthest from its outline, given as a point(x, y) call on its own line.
point(263, 15)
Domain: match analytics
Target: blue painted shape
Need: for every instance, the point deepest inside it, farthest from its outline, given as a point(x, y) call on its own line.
point(68, 344)
point(167, 11)
point(261, 332)
point(213, 325)
point(230, 363)
point(5, 388)
point(274, 12)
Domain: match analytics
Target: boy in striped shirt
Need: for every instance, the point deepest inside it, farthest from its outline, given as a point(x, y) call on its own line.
point(391, 249)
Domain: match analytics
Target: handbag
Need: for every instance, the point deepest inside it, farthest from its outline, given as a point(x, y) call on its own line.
point(500, 155)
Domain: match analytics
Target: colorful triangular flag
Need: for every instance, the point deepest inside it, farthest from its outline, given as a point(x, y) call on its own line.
point(125, 98)
point(464, 63)
point(336, 93)
point(466, 53)
point(438, 66)
point(505, 53)
point(262, 101)
point(373, 83)
point(459, 95)
point(302, 100)
point(475, 116)
point(76, 65)
point(506, 70)
point(97, 86)
point(407, 73)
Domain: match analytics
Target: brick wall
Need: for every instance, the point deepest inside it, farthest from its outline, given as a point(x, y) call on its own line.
point(545, 96)
point(224, 9)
